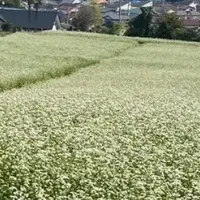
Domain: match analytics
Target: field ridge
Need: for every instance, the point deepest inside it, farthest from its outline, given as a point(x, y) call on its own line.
point(50, 59)
point(65, 70)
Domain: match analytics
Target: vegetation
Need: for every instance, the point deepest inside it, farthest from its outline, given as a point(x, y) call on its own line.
point(3, 34)
point(168, 26)
point(114, 28)
point(140, 26)
point(11, 3)
point(125, 128)
point(7, 27)
point(48, 56)
point(88, 18)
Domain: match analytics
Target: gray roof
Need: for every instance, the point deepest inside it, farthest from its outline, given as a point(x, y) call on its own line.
point(2, 19)
point(66, 2)
point(53, 2)
point(133, 12)
point(85, 3)
point(19, 18)
point(187, 13)
point(115, 17)
point(135, 3)
point(140, 3)
point(50, 2)
point(69, 2)
point(184, 2)
point(136, 11)
point(114, 1)
point(116, 4)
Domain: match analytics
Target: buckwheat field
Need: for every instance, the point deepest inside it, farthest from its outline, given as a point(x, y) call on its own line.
point(125, 125)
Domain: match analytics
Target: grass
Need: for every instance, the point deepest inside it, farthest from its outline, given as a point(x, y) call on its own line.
point(3, 34)
point(124, 128)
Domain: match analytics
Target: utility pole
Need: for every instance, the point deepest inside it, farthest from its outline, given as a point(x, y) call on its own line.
point(120, 3)
point(67, 15)
point(163, 5)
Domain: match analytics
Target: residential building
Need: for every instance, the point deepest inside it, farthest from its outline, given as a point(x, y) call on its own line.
point(114, 17)
point(41, 20)
point(188, 14)
point(191, 24)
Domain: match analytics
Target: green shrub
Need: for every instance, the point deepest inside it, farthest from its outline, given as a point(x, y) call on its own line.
point(118, 28)
point(7, 27)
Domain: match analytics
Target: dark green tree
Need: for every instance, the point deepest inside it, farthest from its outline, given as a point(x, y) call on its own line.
point(88, 18)
point(140, 26)
point(7, 27)
point(170, 27)
point(12, 3)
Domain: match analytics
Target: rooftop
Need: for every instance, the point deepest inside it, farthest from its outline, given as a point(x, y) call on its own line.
point(186, 13)
point(191, 22)
point(115, 16)
point(38, 20)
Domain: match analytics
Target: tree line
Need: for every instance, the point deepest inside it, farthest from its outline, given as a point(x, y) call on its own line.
point(167, 26)
point(147, 24)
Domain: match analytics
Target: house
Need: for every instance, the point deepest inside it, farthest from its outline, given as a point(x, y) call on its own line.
point(144, 3)
point(162, 8)
point(127, 5)
point(69, 8)
point(99, 2)
point(188, 14)
point(191, 24)
point(134, 12)
point(69, 2)
point(114, 17)
point(193, 5)
point(148, 4)
point(184, 8)
point(183, 3)
point(49, 4)
point(115, 6)
point(41, 20)
point(190, 18)
point(124, 6)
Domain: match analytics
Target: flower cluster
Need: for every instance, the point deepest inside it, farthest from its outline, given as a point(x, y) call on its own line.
point(126, 128)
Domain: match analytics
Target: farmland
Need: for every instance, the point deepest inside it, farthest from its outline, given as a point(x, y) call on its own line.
point(124, 127)
point(36, 58)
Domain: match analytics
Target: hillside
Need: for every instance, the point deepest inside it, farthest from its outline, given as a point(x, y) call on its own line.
point(124, 127)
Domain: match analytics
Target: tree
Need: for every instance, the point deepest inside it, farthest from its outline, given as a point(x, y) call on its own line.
point(114, 28)
point(88, 18)
point(7, 27)
point(97, 15)
point(12, 3)
point(140, 26)
point(170, 27)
